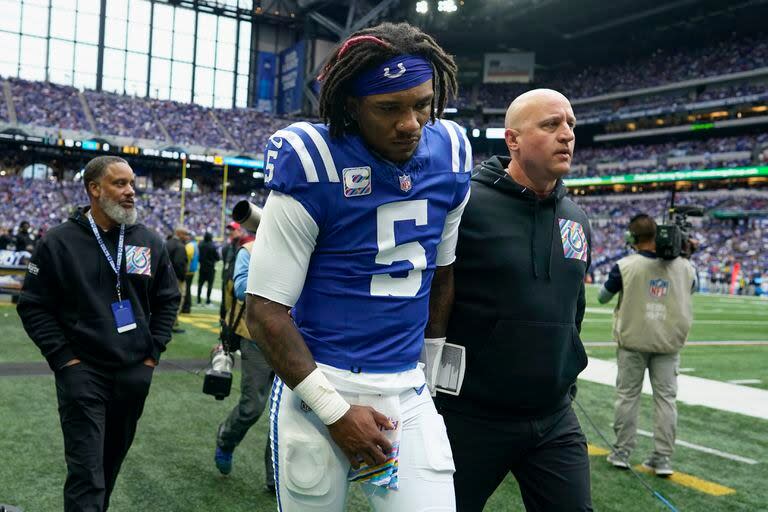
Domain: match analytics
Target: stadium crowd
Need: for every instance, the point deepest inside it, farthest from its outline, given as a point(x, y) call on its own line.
point(722, 242)
point(47, 203)
point(123, 115)
point(694, 154)
point(48, 105)
point(57, 106)
point(660, 68)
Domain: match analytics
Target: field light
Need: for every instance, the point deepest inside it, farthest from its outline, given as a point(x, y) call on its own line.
point(447, 6)
point(422, 7)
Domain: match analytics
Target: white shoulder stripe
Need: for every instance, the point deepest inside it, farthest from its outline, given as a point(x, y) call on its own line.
point(454, 144)
point(322, 148)
point(467, 151)
point(306, 159)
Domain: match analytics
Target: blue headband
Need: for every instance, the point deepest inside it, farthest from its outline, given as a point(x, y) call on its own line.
point(397, 74)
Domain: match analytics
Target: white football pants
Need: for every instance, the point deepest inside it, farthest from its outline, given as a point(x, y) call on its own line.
point(311, 470)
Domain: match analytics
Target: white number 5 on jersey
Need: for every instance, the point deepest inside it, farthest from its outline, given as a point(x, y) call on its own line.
point(383, 285)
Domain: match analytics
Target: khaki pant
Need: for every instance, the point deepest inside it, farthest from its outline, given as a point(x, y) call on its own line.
point(183, 292)
point(663, 370)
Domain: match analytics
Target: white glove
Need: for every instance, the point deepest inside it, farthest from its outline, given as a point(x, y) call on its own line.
point(431, 354)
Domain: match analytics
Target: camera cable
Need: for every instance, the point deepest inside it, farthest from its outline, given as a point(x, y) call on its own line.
point(645, 484)
point(180, 367)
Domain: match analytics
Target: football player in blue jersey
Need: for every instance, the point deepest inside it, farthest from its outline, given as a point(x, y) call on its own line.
point(359, 227)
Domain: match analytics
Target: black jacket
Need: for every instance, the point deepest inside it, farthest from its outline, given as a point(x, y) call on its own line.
point(519, 300)
point(65, 303)
point(209, 255)
point(177, 252)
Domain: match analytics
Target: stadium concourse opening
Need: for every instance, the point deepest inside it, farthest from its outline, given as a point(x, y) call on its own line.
point(189, 93)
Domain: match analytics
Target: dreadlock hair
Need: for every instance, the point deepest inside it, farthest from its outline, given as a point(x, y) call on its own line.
point(370, 47)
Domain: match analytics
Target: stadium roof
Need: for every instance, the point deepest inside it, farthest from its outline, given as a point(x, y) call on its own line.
point(564, 32)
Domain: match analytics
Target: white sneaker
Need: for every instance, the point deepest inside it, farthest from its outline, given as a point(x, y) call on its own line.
point(618, 459)
point(659, 464)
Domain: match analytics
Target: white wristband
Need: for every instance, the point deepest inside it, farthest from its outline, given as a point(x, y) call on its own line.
point(322, 397)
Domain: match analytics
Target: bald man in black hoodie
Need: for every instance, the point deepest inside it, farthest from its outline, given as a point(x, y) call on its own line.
point(523, 252)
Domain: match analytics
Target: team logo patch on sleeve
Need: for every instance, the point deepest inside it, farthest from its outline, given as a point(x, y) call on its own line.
point(574, 240)
point(658, 288)
point(138, 260)
point(357, 181)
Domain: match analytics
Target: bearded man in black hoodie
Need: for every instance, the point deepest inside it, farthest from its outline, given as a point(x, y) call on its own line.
point(98, 300)
point(523, 252)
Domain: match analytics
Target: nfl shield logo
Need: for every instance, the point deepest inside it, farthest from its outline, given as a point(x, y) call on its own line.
point(405, 183)
point(659, 288)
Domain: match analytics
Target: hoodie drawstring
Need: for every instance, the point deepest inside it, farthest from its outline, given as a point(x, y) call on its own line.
point(555, 226)
point(533, 237)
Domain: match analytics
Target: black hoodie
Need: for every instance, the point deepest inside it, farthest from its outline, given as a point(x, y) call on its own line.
point(65, 303)
point(519, 298)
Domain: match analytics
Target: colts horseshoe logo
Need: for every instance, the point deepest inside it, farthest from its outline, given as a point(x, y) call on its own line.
point(400, 66)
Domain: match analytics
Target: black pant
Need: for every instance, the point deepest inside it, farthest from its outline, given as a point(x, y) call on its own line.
point(99, 409)
point(202, 278)
point(547, 456)
point(187, 307)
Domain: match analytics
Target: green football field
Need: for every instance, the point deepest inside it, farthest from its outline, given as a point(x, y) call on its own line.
point(721, 467)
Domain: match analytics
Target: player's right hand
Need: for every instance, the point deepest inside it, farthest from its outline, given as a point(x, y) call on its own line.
point(359, 435)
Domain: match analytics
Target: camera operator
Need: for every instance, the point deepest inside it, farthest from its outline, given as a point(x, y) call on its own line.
point(651, 323)
point(256, 373)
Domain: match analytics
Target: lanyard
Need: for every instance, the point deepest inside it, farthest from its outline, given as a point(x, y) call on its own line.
point(116, 268)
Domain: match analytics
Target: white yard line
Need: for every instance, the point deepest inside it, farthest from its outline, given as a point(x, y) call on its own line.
point(712, 322)
point(713, 343)
point(745, 381)
point(600, 311)
point(704, 449)
point(693, 390)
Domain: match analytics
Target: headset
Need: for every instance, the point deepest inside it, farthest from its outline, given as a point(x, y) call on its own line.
point(629, 237)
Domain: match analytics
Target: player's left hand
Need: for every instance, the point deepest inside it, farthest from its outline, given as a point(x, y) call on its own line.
point(358, 434)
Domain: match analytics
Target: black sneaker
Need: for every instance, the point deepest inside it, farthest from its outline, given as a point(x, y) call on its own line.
point(223, 460)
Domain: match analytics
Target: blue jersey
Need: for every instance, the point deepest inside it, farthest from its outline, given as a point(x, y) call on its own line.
point(365, 301)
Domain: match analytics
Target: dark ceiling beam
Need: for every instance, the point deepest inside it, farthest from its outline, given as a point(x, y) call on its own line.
point(628, 19)
point(328, 23)
point(351, 14)
point(380, 9)
point(229, 11)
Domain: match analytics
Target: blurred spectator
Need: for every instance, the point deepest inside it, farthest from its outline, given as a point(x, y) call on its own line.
point(123, 115)
point(193, 264)
point(209, 255)
point(47, 104)
point(659, 68)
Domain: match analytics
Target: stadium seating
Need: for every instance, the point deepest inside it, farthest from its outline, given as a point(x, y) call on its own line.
point(248, 127)
point(49, 203)
point(722, 242)
point(123, 115)
point(48, 105)
point(690, 154)
point(657, 69)
point(245, 130)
